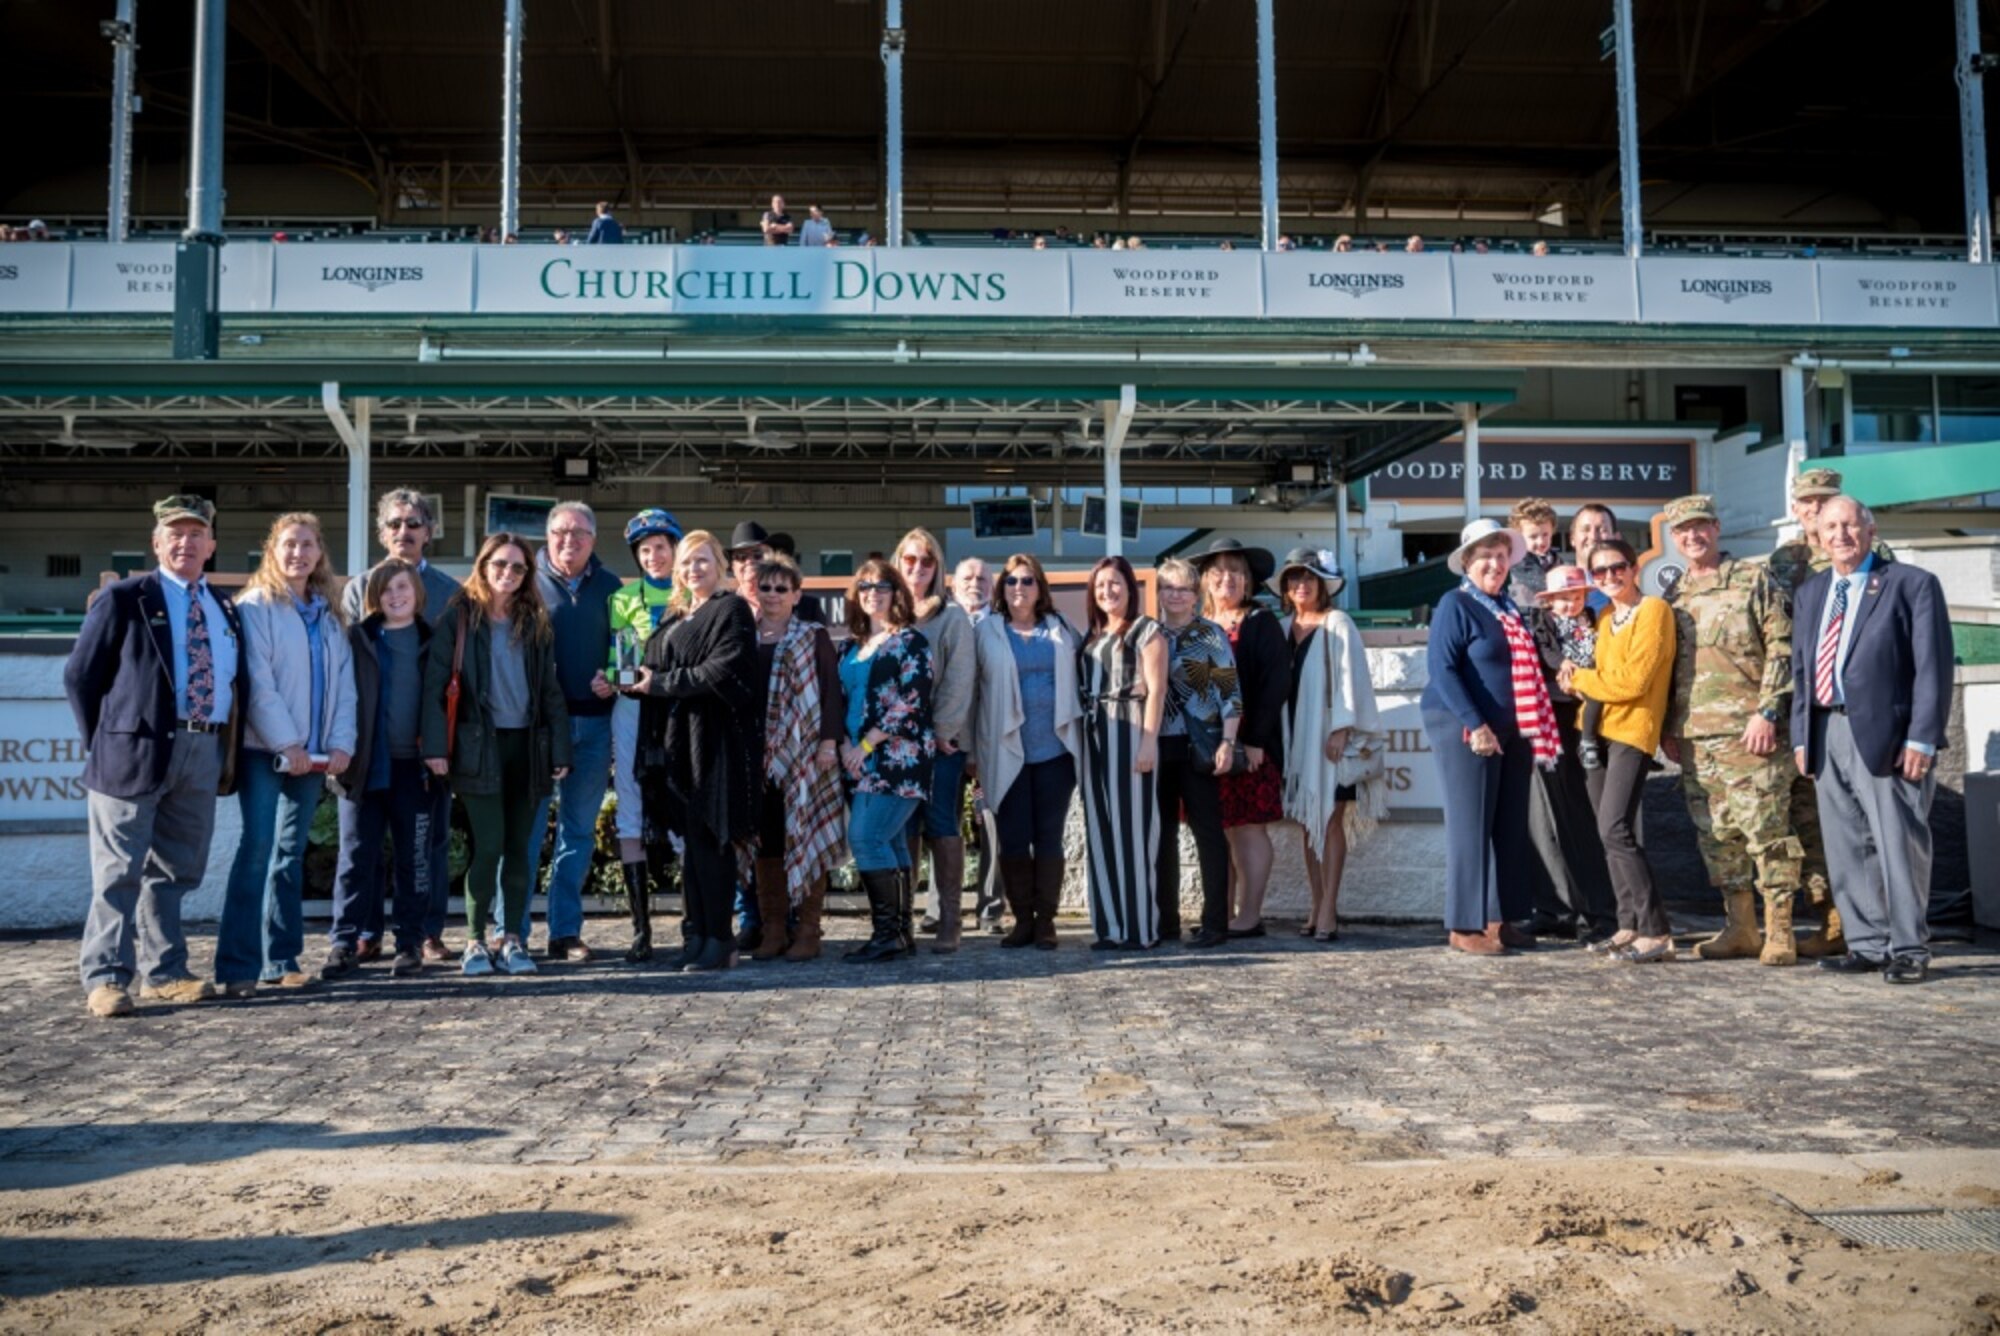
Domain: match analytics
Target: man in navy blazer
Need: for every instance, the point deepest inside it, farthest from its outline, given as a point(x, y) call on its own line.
point(155, 681)
point(1871, 695)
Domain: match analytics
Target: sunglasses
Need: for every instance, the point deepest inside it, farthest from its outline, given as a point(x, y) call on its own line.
point(404, 524)
point(917, 559)
point(774, 589)
point(502, 564)
point(1616, 568)
point(873, 587)
point(1019, 582)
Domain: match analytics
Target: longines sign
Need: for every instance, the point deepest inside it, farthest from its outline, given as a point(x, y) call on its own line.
point(389, 279)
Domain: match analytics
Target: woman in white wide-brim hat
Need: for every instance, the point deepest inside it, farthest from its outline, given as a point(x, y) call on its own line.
point(1488, 717)
point(1334, 747)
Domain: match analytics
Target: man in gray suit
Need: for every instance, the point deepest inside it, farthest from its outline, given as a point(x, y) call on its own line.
point(1872, 669)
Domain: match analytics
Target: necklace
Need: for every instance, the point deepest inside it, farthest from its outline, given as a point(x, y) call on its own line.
point(1621, 614)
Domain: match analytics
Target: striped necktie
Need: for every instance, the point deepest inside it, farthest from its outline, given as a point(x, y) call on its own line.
point(1829, 646)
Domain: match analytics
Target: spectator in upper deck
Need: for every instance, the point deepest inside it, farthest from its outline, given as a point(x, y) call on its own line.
point(1415, 245)
point(817, 230)
point(604, 229)
point(776, 223)
point(1539, 248)
point(1343, 244)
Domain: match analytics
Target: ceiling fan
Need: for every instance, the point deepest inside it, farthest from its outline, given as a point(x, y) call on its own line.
point(67, 436)
point(762, 440)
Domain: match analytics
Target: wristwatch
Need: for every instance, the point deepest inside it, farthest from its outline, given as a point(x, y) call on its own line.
point(1770, 715)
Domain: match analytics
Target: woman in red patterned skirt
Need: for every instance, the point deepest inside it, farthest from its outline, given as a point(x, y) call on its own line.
point(1253, 797)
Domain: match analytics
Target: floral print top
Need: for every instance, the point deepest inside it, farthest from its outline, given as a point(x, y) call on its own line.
point(897, 700)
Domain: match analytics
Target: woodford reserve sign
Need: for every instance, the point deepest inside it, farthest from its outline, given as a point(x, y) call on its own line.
point(449, 279)
point(1568, 470)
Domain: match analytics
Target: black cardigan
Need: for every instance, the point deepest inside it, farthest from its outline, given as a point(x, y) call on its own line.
point(699, 739)
point(1264, 667)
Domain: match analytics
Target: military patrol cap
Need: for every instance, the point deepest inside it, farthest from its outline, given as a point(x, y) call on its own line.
point(184, 507)
point(1816, 482)
point(1683, 510)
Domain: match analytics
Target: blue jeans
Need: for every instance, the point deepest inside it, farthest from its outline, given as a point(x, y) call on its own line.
point(943, 816)
point(374, 904)
point(404, 810)
point(578, 798)
point(263, 923)
point(878, 831)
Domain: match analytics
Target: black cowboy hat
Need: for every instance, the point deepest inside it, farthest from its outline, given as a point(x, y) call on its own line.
point(747, 534)
point(1260, 560)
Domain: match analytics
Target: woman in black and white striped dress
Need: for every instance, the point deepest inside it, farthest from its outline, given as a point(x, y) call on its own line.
point(1124, 681)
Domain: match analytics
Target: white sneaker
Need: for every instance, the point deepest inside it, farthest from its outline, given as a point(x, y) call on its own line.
point(476, 961)
point(514, 958)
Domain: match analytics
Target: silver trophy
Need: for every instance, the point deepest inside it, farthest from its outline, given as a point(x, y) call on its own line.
point(629, 652)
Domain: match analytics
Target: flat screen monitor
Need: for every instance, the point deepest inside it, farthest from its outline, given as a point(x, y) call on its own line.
point(1004, 517)
point(527, 516)
point(1094, 525)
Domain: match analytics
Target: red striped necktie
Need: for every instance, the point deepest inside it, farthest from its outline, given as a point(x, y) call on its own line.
point(1829, 646)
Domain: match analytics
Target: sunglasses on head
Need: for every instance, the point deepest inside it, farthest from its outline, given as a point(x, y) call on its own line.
point(1019, 582)
point(1615, 568)
point(873, 587)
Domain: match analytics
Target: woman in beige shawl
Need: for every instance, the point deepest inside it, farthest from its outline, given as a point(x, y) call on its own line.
point(1334, 746)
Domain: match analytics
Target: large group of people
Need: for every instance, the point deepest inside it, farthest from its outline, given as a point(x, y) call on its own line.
point(748, 743)
point(1802, 694)
point(759, 749)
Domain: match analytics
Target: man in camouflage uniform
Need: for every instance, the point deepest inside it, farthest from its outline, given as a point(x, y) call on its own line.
point(1728, 718)
point(1791, 565)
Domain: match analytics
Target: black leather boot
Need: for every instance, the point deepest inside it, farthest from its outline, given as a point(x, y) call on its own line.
point(639, 899)
point(885, 892)
point(906, 909)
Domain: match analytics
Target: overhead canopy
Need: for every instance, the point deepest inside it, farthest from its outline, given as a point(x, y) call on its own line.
point(1908, 477)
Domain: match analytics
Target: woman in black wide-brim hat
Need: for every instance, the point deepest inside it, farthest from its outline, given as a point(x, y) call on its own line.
point(1255, 797)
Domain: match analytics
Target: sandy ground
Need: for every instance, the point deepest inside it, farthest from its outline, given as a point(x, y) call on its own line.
point(1323, 1236)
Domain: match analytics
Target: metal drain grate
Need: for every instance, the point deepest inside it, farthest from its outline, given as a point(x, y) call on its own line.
point(1917, 1227)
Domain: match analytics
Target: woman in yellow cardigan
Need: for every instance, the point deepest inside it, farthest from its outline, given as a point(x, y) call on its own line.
point(1635, 668)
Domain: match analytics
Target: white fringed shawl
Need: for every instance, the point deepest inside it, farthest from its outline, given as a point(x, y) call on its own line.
point(1335, 692)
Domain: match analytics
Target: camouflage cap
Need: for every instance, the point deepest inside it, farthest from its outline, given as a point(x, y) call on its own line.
point(184, 507)
point(1816, 482)
point(1684, 509)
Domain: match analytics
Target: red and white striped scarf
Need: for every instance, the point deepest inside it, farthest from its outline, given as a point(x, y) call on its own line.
point(1534, 716)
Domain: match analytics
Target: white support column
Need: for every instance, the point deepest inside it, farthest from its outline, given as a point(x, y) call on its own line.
point(353, 434)
point(1056, 521)
point(1628, 130)
point(1970, 74)
point(1792, 408)
point(1117, 420)
point(1267, 120)
point(892, 125)
point(510, 120)
point(124, 54)
point(1468, 415)
point(1343, 544)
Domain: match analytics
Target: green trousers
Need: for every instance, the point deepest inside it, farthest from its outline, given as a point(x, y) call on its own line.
point(505, 843)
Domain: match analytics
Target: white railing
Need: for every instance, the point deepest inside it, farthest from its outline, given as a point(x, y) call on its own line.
point(137, 278)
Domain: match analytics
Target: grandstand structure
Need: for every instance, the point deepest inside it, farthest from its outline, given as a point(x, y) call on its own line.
point(1593, 250)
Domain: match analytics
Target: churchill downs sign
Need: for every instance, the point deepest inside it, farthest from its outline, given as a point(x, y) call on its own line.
point(929, 281)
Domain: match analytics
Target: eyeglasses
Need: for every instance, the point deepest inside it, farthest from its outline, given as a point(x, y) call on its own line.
point(1615, 568)
point(564, 535)
point(405, 523)
point(774, 589)
point(1178, 591)
point(1019, 582)
point(511, 567)
point(874, 587)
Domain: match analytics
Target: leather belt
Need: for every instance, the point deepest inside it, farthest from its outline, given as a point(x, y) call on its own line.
point(190, 726)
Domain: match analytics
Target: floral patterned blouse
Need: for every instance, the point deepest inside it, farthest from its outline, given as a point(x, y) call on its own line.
point(897, 700)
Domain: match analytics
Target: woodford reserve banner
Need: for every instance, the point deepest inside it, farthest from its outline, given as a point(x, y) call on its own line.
point(1611, 471)
point(933, 282)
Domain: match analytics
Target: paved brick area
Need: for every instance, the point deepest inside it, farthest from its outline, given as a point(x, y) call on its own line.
point(1013, 1056)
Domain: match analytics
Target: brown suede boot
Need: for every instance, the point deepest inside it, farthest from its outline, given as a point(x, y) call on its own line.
point(1048, 900)
point(1827, 939)
point(948, 875)
point(1017, 883)
point(805, 946)
point(1738, 937)
point(774, 906)
point(1780, 948)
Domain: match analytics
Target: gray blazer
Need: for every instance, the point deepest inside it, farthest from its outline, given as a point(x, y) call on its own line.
point(954, 671)
point(279, 656)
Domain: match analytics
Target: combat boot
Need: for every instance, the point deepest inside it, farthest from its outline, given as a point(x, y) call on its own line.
point(1738, 937)
point(1827, 939)
point(1779, 946)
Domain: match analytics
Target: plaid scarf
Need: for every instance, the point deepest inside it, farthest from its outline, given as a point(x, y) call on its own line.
point(815, 816)
point(1533, 715)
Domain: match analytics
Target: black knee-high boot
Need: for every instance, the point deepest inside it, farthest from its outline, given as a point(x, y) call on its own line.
point(639, 899)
